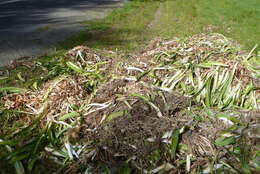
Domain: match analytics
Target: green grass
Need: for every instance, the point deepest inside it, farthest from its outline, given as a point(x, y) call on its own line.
point(130, 27)
point(124, 29)
point(233, 18)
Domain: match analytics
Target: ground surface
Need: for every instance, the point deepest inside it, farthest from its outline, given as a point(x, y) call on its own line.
point(31, 27)
point(61, 99)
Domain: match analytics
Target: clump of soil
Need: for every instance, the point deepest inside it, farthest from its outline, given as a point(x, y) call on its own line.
point(137, 132)
point(109, 89)
point(134, 135)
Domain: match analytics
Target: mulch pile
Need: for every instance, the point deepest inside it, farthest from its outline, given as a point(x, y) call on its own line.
point(126, 118)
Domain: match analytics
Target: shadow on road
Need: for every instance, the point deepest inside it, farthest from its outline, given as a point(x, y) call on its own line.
point(28, 27)
point(23, 14)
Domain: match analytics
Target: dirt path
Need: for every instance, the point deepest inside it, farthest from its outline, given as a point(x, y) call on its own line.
point(31, 28)
point(157, 16)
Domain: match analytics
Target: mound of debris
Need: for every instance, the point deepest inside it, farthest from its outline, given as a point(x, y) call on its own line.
point(180, 106)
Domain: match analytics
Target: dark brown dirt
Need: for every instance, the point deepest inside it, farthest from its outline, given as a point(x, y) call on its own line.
point(126, 137)
point(108, 90)
point(137, 134)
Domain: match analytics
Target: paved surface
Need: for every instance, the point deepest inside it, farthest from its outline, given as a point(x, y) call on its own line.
point(31, 28)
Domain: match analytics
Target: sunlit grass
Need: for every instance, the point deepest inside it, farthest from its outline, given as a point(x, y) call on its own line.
point(233, 18)
point(130, 27)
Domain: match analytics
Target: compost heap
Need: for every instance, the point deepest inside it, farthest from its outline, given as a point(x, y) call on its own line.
point(178, 106)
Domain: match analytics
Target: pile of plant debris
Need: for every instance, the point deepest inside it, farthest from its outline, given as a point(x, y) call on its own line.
point(182, 105)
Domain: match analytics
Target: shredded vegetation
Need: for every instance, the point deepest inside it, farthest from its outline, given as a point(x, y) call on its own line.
point(179, 106)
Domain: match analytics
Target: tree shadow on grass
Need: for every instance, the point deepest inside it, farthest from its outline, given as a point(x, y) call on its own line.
point(108, 37)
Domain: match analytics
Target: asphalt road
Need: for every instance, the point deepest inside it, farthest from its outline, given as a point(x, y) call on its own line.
point(30, 28)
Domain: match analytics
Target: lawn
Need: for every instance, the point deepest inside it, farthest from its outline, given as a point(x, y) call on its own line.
point(236, 19)
point(134, 25)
